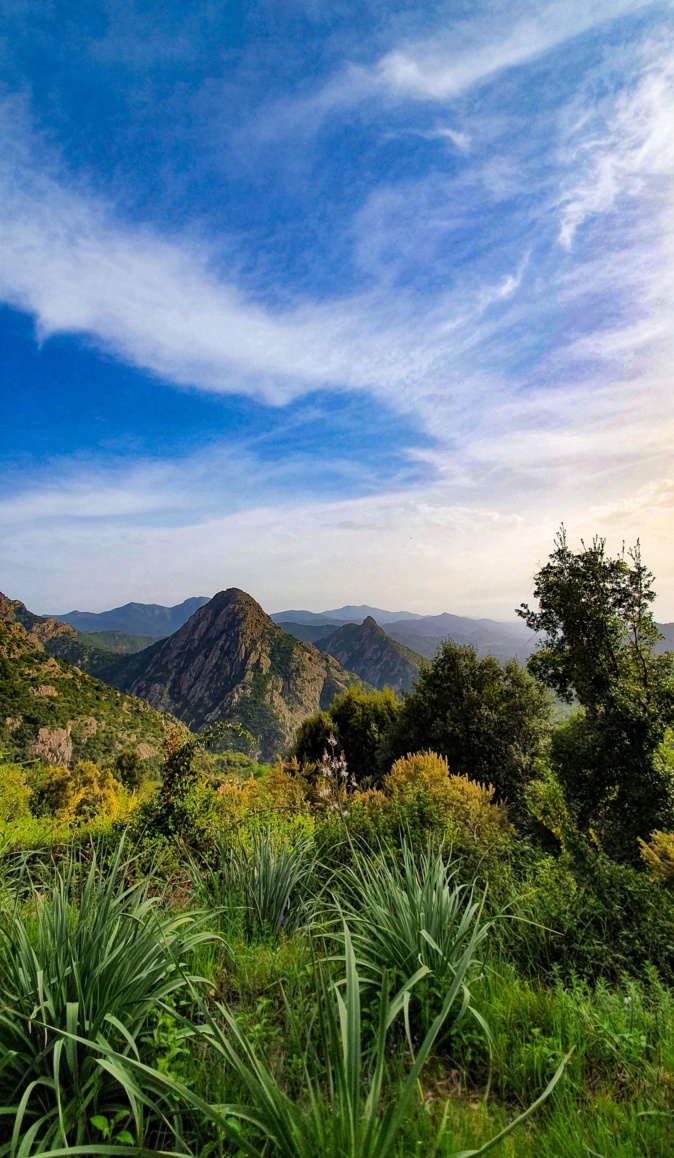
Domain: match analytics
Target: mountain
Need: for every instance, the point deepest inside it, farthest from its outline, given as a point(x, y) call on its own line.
point(309, 632)
point(52, 710)
point(136, 618)
point(231, 662)
point(488, 636)
point(307, 618)
point(667, 642)
point(117, 642)
point(369, 652)
point(348, 614)
point(352, 614)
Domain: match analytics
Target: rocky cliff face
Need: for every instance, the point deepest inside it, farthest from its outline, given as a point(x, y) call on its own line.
point(58, 639)
point(369, 652)
point(231, 662)
point(52, 710)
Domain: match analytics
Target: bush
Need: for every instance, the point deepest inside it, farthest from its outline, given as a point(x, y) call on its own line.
point(659, 856)
point(426, 799)
point(51, 789)
point(14, 793)
point(130, 768)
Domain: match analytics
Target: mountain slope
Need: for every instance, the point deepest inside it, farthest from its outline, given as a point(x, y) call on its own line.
point(308, 632)
point(117, 642)
point(136, 618)
point(52, 710)
point(231, 662)
point(60, 639)
point(368, 651)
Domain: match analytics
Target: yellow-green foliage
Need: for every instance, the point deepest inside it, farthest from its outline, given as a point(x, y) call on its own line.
point(420, 799)
point(14, 793)
point(659, 856)
point(423, 793)
point(48, 803)
point(80, 794)
point(546, 804)
point(94, 792)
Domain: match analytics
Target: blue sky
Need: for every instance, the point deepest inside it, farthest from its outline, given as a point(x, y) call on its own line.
point(334, 302)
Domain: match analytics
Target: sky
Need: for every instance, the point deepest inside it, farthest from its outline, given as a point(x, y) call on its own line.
point(338, 302)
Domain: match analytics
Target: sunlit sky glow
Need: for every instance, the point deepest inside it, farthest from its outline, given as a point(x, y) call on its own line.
point(337, 303)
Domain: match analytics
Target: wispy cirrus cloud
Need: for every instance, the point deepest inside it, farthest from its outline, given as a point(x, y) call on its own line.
point(441, 66)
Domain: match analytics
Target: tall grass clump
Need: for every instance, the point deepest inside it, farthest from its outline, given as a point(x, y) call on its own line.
point(350, 1108)
point(81, 964)
point(405, 911)
point(266, 882)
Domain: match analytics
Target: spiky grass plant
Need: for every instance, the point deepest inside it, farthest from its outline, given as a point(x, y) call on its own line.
point(349, 1108)
point(80, 964)
point(404, 911)
point(267, 882)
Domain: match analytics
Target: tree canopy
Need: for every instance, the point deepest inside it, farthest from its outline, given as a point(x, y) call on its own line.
point(594, 612)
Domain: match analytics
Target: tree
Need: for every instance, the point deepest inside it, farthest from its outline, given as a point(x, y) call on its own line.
point(488, 719)
point(594, 612)
point(130, 768)
point(359, 721)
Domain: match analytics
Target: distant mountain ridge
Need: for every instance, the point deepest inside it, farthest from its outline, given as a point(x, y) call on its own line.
point(148, 619)
point(347, 614)
point(419, 633)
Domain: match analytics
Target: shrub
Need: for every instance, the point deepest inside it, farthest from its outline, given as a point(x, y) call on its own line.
point(14, 793)
point(95, 792)
point(51, 789)
point(130, 768)
point(658, 853)
point(426, 798)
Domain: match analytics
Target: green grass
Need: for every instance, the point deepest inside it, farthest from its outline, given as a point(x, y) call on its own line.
point(291, 1047)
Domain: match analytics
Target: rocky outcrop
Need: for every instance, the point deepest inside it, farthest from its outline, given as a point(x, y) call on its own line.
point(55, 712)
point(369, 652)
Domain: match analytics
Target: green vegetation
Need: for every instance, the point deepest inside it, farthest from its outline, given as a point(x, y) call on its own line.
point(53, 711)
point(229, 958)
point(116, 641)
point(358, 720)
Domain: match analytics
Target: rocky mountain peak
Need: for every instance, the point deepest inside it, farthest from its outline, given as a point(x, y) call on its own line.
point(230, 661)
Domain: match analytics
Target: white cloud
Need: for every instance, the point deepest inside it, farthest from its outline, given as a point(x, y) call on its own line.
point(450, 61)
point(617, 158)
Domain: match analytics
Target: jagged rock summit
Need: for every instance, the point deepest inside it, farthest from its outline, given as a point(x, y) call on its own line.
point(367, 650)
point(231, 662)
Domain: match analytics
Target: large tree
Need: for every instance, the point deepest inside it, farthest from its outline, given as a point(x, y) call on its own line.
point(598, 637)
point(489, 719)
point(358, 720)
